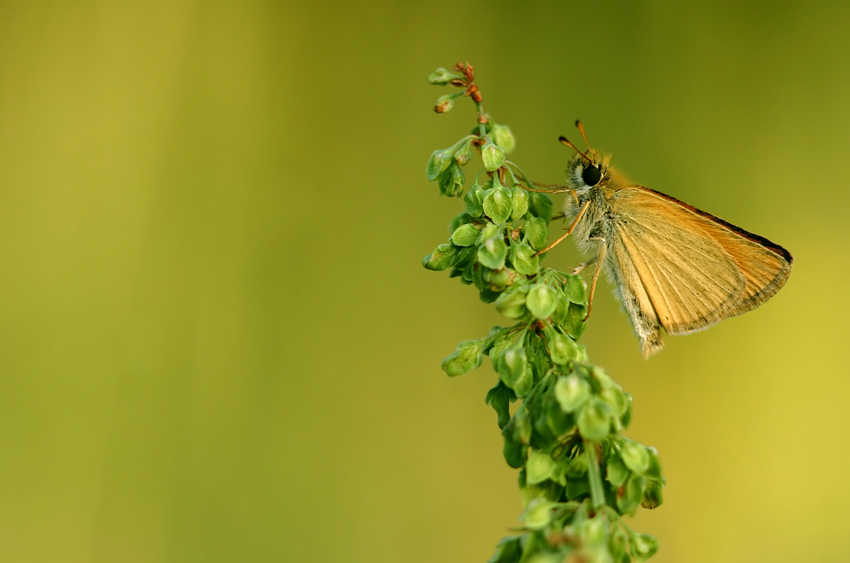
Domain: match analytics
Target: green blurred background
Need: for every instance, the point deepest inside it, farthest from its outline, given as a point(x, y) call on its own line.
point(217, 342)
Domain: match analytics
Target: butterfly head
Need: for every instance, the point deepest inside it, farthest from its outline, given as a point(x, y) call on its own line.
point(587, 170)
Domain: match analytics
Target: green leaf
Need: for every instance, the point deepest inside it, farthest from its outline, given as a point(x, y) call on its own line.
point(519, 202)
point(452, 180)
point(503, 137)
point(508, 550)
point(465, 235)
point(474, 200)
point(539, 468)
point(524, 259)
point(467, 357)
point(644, 546)
point(537, 232)
point(499, 398)
point(497, 204)
point(652, 497)
point(540, 205)
point(441, 77)
point(439, 163)
point(616, 471)
point(571, 392)
point(538, 514)
point(594, 420)
point(492, 155)
point(492, 253)
point(562, 348)
point(542, 300)
point(443, 258)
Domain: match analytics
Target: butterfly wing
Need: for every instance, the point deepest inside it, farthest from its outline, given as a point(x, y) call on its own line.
point(685, 269)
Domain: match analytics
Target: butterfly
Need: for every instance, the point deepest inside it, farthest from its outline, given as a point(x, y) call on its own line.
point(673, 266)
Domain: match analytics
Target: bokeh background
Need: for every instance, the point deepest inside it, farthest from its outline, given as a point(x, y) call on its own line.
point(217, 342)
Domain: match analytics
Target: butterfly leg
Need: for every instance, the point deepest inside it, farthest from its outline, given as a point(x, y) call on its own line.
point(570, 230)
point(599, 260)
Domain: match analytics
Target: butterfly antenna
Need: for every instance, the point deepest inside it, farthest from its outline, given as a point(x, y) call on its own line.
point(565, 141)
point(580, 128)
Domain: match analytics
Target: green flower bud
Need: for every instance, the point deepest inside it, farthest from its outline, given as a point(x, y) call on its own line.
point(441, 77)
point(519, 202)
point(616, 471)
point(439, 163)
point(652, 497)
point(593, 531)
point(635, 457)
point(574, 288)
point(618, 545)
point(559, 421)
point(452, 180)
point(512, 368)
point(540, 205)
point(474, 200)
point(626, 417)
point(575, 323)
point(514, 452)
point(503, 137)
point(512, 303)
point(497, 204)
point(542, 300)
point(644, 546)
point(577, 467)
point(524, 259)
point(538, 514)
point(630, 495)
point(465, 235)
point(443, 258)
point(536, 232)
point(594, 420)
point(654, 469)
point(562, 348)
point(467, 357)
point(464, 152)
point(539, 468)
point(489, 231)
point(571, 392)
point(613, 395)
point(499, 279)
point(458, 220)
point(492, 155)
point(445, 103)
point(492, 253)
point(508, 550)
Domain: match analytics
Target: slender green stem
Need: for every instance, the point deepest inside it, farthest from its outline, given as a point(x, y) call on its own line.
point(597, 493)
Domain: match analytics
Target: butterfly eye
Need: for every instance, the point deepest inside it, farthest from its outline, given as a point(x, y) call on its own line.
point(591, 175)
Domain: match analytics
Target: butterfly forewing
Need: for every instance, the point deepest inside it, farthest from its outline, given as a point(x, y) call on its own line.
point(693, 268)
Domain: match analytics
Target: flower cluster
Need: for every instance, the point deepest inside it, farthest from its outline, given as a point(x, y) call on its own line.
point(577, 471)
